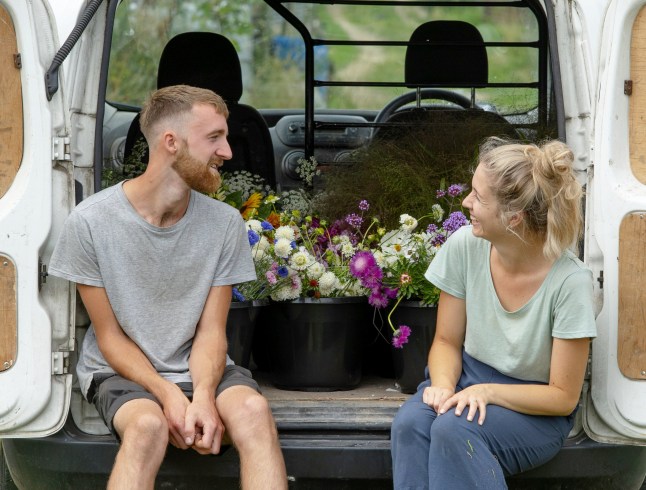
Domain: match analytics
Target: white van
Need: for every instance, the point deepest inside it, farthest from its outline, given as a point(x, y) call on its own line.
point(323, 75)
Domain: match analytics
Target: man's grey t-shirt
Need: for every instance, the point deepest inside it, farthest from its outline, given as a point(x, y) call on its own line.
point(157, 279)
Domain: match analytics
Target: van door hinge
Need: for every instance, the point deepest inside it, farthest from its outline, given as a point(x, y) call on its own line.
point(60, 362)
point(628, 87)
point(61, 148)
point(42, 273)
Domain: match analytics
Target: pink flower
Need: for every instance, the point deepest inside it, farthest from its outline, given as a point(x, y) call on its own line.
point(271, 277)
point(400, 337)
point(362, 263)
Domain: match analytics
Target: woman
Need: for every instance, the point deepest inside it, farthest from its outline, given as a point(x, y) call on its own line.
point(514, 324)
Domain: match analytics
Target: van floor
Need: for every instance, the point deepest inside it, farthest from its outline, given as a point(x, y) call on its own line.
point(370, 406)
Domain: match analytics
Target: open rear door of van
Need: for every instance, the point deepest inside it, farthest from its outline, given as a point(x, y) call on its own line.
point(615, 407)
point(36, 194)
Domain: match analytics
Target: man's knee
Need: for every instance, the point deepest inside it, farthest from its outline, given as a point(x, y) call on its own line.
point(146, 427)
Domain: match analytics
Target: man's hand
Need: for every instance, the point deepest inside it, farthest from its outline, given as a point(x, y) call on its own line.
point(175, 404)
point(203, 422)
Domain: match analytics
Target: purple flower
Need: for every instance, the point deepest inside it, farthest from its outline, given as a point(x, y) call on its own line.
point(372, 278)
point(454, 221)
point(440, 193)
point(455, 190)
point(363, 205)
point(400, 337)
point(353, 219)
point(362, 263)
point(253, 237)
point(267, 226)
point(438, 240)
point(431, 228)
point(377, 299)
point(391, 293)
point(237, 295)
point(282, 271)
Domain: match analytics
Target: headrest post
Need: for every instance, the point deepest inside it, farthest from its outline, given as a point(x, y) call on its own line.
point(419, 97)
point(473, 97)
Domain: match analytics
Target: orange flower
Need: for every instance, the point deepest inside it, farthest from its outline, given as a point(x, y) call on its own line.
point(274, 219)
point(250, 205)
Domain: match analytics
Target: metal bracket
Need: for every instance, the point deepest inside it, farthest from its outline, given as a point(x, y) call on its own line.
point(628, 87)
point(60, 362)
point(61, 148)
point(42, 273)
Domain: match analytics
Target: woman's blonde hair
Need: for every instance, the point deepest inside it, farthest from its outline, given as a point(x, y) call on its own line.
point(539, 182)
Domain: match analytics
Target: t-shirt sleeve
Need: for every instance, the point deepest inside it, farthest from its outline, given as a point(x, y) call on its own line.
point(447, 270)
point(574, 309)
point(74, 256)
point(236, 263)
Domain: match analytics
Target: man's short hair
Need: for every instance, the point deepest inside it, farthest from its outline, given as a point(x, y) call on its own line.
point(176, 102)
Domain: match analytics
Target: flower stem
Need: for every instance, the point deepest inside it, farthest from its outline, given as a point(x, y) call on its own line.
point(391, 312)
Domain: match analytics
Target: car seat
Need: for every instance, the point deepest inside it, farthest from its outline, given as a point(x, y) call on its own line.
point(209, 60)
point(445, 54)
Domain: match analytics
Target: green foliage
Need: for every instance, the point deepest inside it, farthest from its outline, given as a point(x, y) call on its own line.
point(132, 167)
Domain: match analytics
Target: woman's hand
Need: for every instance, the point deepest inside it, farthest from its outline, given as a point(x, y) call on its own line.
point(474, 398)
point(435, 396)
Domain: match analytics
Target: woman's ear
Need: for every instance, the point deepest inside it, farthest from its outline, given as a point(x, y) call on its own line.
point(516, 219)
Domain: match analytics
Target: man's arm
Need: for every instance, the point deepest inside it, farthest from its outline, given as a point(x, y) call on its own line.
point(127, 359)
point(207, 363)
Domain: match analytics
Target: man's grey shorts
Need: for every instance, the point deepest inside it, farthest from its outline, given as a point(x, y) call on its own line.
point(110, 393)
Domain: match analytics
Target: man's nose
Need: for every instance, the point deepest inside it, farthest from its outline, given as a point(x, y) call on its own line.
point(224, 151)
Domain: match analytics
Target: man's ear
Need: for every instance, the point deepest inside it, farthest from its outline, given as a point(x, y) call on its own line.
point(170, 142)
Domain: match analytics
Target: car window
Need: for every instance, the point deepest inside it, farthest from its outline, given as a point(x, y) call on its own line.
point(272, 51)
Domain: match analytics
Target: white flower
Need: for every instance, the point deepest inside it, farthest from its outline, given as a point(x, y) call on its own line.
point(291, 290)
point(255, 225)
point(379, 257)
point(347, 249)
point(408, 223)
point(258, 253)
point(328, 282)
point(437, 212)
point(285, 232)
point(263, 243)
point(300, 260)
point(315, 270)
point(283, 247)
point(271, 199)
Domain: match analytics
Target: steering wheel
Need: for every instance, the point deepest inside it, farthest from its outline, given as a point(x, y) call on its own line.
point(426, 93)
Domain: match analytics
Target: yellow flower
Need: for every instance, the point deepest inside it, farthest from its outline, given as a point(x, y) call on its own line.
point(249, 207)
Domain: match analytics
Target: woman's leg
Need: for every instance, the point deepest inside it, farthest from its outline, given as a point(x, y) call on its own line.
point(410, 442)
point(464, 455)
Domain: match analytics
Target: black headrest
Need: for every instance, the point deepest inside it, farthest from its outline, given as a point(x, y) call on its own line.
point(463, 61)
point(202, 59)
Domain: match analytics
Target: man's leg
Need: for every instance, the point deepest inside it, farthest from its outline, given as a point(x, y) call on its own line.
point(250, 424)
point(143, 430)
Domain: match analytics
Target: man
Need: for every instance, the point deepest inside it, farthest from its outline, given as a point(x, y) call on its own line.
point(154, 261)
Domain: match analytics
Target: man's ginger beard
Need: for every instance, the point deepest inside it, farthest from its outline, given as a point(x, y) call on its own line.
point(196, 173)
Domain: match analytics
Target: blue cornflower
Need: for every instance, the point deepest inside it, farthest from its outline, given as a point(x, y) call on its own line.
point(282, 271)
point(253, 237)
point(267, 226)
point(237, 295)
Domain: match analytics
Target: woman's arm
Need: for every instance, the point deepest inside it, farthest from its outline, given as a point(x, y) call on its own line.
point(445, 356)
point(559, 397)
